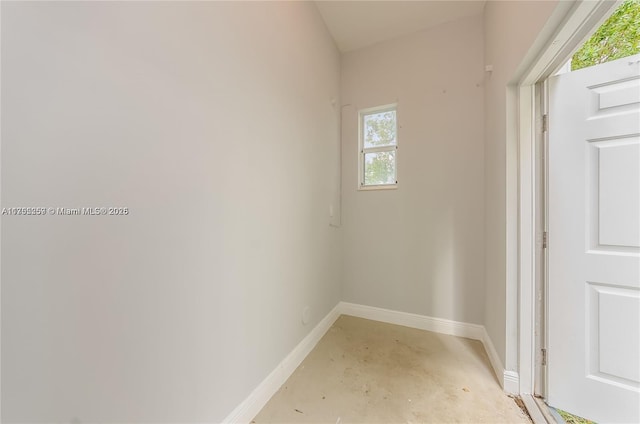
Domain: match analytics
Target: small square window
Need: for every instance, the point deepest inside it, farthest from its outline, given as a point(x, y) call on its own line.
point(378, 143)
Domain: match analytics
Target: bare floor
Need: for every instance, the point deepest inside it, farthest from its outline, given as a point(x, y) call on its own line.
point(371, 372)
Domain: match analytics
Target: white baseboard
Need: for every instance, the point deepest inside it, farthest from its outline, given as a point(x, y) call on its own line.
point(421, 322)
point(494, 359)
point(249, 408)
point(511, 382)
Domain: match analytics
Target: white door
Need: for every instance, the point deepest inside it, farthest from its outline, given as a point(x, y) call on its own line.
point(594, 242)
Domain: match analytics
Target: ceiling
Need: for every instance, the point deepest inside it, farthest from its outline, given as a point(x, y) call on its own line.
point(357, 24)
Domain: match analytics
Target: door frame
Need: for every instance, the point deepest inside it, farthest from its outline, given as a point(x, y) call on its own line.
point(568, 27)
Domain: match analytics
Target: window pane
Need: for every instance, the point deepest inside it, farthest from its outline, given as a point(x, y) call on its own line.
point(380, 168)
point(380, 129)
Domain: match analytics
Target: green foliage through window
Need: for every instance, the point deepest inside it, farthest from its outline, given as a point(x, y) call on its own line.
point(380, 129)
point(380, 168)
point(617, 37)
point(378, 146)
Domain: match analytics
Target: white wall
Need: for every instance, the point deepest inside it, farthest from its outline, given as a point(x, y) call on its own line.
point(419, 248)
point(510, 29)
point(213, 123)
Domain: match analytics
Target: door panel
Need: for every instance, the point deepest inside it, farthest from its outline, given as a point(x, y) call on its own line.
point(594, 242)
point(617, 305)
point(619, 193)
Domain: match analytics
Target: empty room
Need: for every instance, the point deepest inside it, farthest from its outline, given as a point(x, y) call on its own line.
point(320, 211)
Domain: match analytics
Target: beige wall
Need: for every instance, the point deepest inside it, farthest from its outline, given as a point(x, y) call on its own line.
point(510, 29)
point(419, 248)
point(213, 123)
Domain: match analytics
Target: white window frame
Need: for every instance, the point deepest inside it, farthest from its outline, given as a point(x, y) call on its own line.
point(362, 150)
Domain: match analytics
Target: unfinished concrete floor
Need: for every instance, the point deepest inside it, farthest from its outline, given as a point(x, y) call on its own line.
point(371, 372)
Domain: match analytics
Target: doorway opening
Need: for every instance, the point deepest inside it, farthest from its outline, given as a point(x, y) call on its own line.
point(567, 51)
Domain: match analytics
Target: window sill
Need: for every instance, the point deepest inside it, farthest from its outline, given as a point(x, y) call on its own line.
point(378, 187)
